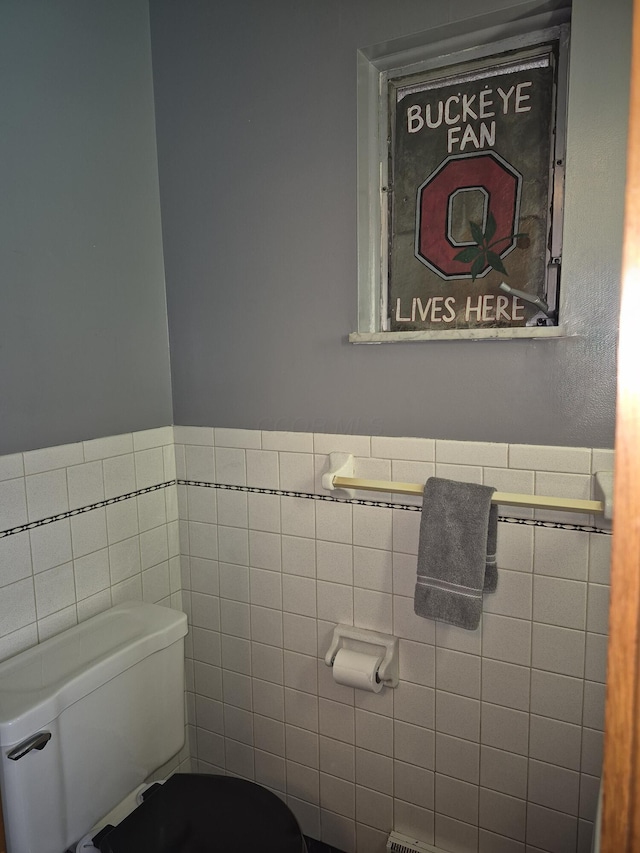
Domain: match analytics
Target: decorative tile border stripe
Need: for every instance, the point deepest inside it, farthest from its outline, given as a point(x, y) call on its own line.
point(506, 519)
point(31, 525)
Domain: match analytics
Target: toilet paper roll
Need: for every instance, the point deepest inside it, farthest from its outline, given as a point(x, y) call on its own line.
point(356, 669)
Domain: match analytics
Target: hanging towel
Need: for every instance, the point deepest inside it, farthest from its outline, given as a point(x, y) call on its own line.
point(456, 552)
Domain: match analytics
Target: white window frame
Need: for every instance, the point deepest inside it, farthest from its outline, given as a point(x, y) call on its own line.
point(435, 49)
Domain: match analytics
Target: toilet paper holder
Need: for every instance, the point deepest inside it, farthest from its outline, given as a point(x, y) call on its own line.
point(367, 642)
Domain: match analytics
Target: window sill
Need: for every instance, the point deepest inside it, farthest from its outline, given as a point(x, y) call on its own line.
point(520, 333)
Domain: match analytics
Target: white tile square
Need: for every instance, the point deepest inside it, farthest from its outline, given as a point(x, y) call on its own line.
point(572, 460)
point(230, 466)
point(93, 605)
point(416, 449)
point(414, 703)
point(406, 527)
point(300, 633)
point(515, 547)
point(264, 512)
point(149, 465)
point(54, 590)
point(301, 442)
point(374, 732)
point(503, 771)
point(407, 625)
point(299, 595)
point(236, 689)
point(299, 556)
point(15, 557)
point(270, 770)
point(551, 830)
point(555, 742)
point(358, 445)
point(119, 475)
point(300, 710)
point(374, 809)
point(559, 602)
point(267, 662)
point(203, 505)
point(266, 588)
point(507, 639)
point(298, 516)
point(124, 559)
point(157, 437)
point(413, 784)
point(266, 626)
point(455, 835)
point(503, 814)
point(459, 473)
point(155, 584)
point(151, 510)
point(334, 562)
point(560, 650)
point(296, 472)
point(263, 469)
point(417, 663)
point(472, 453)
point(46, 496)
point(154, 547)
point(11, 466)
point(404, 574)
point(594, 699)
point(372, 770)
point(300, 672)
point(373, 610)
point(268, 699)
point(513, 596)
point(234, 581)
point(414, 744)
point(233, 545)
point(335, 602)
point(57, 622)
point(199, 463)
point(336, 720)
point(236, 654)
point(112, 445)
point(268, 735)
point(50, 458)
point(243, 438)
point(596, 658)
point(205, 576)
point(17, 641)
point(193, 435)
point(85, 483)
point(372, 527)
point(122, 520)
point(373, 569)
point(506, 684)
point(88, 532)
point(599, 558)
point(414, 821)
point(456, 799)
point(302, 745)
point(265, 550)
point(598, 609)
point(554, 787)
point(561, 553)
point(334, 521)
point(91, 573)
point(337, 758)
point(50, 544)
point(457, 672)
point(505, 728)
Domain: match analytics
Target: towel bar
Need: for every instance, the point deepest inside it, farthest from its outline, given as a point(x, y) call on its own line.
point(504, 498)
point(341, 467)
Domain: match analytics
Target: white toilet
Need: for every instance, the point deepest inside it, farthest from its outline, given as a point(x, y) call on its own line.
point(86, 717)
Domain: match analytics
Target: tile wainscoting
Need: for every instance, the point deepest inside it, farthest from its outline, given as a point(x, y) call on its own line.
point(491, 742)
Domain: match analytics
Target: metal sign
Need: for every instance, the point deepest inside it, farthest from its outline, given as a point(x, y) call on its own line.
point(472, 159)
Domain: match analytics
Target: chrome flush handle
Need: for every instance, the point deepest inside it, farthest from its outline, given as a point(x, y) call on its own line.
point(37, 741)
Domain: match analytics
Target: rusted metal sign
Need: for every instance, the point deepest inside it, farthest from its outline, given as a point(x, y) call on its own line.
point(472, 159)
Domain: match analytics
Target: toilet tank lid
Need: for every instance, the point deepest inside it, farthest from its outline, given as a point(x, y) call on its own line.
point(39, 683)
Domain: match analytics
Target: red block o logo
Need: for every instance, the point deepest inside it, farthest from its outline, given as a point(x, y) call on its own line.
point(486, 172)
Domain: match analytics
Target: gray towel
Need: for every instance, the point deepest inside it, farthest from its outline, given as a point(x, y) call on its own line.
point(456, 552)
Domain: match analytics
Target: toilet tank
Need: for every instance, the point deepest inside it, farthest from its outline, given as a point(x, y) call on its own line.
point(110, 693)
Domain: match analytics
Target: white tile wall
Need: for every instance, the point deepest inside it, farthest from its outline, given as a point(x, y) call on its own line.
point(492, 741)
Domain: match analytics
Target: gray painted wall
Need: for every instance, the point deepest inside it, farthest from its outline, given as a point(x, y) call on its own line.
point(83, 330)
point(256, 129)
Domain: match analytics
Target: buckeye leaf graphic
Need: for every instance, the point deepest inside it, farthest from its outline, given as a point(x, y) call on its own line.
point(480, 255)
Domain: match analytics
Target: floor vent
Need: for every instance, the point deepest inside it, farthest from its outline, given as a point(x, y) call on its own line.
point(397, 843)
